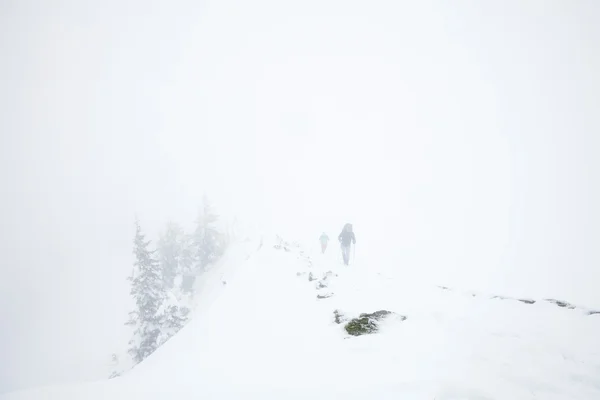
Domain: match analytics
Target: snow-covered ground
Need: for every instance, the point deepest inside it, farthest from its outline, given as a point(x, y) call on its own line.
point(260, 332)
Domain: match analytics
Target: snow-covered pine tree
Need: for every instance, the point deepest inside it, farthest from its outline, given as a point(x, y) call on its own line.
point(173, 317)
point(175, 260)
point(147, 290)
point(206, 239)
point(170, 253)
point(186, 260)
point(187, 263)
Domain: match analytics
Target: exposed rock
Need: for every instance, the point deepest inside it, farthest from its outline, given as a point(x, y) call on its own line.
point(311, 277)
point(368, 323)
point(561, 303)
point(282, 244)
point(339, 317)
point(321, 284)
point(114, 374)
point(324, 295)
point(527, 301)
point(593, 312)
point(377, 314)
point(444, 287)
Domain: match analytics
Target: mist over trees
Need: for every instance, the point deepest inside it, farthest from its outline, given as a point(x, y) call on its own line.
point(163, 277)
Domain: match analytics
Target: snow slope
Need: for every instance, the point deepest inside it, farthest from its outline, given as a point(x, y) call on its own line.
point(260, 332)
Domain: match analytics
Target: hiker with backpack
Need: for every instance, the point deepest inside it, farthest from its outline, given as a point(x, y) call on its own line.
point(346, 239)
point(324, 239)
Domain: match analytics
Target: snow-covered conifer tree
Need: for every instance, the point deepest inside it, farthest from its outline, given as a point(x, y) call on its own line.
point(207, 241)
point(148, 291)
point(170, 248)
point(173, 317)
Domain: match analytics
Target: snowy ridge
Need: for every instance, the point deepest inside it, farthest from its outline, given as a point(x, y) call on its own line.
point(264, 328)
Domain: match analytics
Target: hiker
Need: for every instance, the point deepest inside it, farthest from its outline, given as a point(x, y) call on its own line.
point(346, 239)
point(324, 239)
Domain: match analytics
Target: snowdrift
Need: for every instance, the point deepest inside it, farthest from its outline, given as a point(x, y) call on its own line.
point(270, 324)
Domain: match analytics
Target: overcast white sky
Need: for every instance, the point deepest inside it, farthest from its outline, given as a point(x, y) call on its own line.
point(461, 139)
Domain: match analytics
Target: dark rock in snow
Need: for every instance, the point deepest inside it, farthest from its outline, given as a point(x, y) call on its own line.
point(321, 284)
point(324, 295)
point(339, 317)
point(527, 301)
point(368, 323)
point(377, 314)
point(561, 303)
point(114, 374)
point(282, 244)
point(444, 287)
point(311, 277)
point(593, 312)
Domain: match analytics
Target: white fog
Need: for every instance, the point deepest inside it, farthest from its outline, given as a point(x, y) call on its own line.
point(460, 139)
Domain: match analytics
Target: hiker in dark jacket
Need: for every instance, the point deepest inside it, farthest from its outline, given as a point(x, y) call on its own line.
point(346, 238)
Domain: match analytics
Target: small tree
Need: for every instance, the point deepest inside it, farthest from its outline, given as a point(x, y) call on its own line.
point(170, 249)
point(206, 240)
point(173, 317)
point(187, 259)
point(147, 290)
